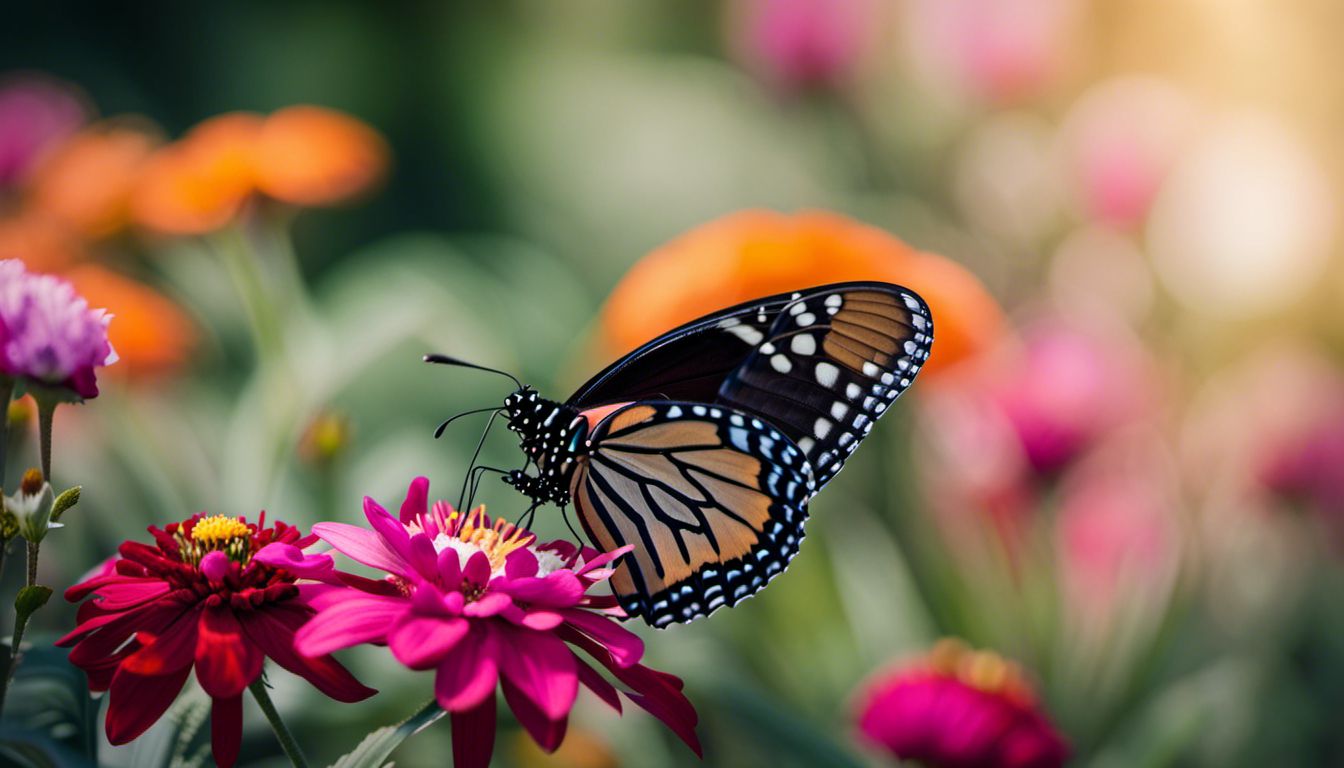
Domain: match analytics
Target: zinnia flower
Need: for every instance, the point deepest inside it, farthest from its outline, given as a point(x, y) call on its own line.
point(198, 184)
point(153, 335)
point(484, 606)
point(48, 334)
point(756, 253)
point(36, 113)
point(198, 597)
point(86, 182)
point(803, 43)
point(959, 708)
point(309, 155)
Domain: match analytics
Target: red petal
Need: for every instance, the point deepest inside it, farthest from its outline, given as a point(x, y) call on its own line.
point(273, 632)
point(623, 645)
point(225, 661)
point(595, 682)
point(474, 735)
point(417, 500)
point(542, 667)
point(226, 730)
point(171, 650)
point(547, 733)
point(467, 677)
point(137, 701)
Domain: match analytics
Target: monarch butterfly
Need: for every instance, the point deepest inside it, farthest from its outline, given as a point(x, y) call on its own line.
point(703, 447)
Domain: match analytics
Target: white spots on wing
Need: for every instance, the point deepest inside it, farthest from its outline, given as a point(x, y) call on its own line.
point(807, 318)
point(781, 363)
point(852, 390)
point(887, 379)
point(698, 410)
point(845, 439)
point(869, 402)
point(746, 333)
point(806, 444)
point(919, 322)
point(822, 427)
point(739, 438)
point(879, 408)
point(905, 383)
point(798, 308)
point(910, 347)
point(827, 374)
point(903, 363)
point(803, 344)
point(871, 370)
point(715, 413)
point(796, 296)
point(767, 348)
point(839, 410)
point(737, 420)
point(911, 302)
point(834, 300)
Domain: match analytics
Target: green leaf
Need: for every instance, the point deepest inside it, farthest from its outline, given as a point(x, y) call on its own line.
point(49, 716)
point(68, 499)
point(378, 746)
point(30, 599)
point(791, 739)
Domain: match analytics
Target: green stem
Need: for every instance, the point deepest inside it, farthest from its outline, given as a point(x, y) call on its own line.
point(33, 547)
point(46, 412)
point(20, 623)
point(286, 739)
point(245, 270)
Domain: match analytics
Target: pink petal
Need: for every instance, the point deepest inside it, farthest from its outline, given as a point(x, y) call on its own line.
point(427, 600)
point(560, 589)
point(477, 570)
point(603, 559)
point(273, 631)
point(421, 642)
point(625, 647)
point(318, 567)
point(595, 682)
point(520, 564)
point(474, 735)
point(393, 533)
point(225, 661)
point(125, 593)
point(450, 568)
point(546, 732)
point(358, 619)
point(540, 620)
point(467, 676)
point(490, 604)
point(363, 546)
point(543, 668)
point(226, 730)
point(417, 500)
point(423, 557)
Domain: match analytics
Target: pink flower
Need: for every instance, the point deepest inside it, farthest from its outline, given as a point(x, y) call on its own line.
point(36, 113)
point(48, 334)
point(201, 597)
point(484, 607)
point(959, 708)
point(803, 43)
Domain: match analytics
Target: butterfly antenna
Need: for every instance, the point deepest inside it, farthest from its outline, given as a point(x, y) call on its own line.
point(446, 360)
point(530, 515)
point(479, 445)
point(564, 513)
point(476, 482)
point(439, 432)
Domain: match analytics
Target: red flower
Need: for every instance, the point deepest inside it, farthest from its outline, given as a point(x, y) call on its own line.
point(196, 598)
point(959, 708)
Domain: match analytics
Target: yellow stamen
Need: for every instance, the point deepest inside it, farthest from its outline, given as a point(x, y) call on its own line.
point(218, 529)
point(496, 541)
point(984, 670)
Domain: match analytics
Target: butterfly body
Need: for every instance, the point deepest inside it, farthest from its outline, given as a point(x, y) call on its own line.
point(703, 447)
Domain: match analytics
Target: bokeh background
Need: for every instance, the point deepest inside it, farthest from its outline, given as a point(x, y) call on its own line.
point(1125, 469)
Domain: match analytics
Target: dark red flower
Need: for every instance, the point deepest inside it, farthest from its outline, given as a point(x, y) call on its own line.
point(196, 598)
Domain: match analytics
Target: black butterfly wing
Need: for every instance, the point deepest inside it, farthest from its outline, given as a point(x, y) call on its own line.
point(712, 499)
point(832, 362)
point(687, 363)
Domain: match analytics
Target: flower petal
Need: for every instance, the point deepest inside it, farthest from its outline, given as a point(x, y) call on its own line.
point(393, 533)
point(226, 730)
point(417, 500)
point(135, 702)
point(521, 564)
point(625, 647)
point(595, 682)
point(450, 568)
point(542, 667)
point(560, 589)
point(546, 732)
point(125, 593)
point(474, 735)
point(318, 567)
point(165, 653)
point(477, 569)
point(467, 676)
point(603, 559)
point(422, 556)
point(358, 619)
point(225, 661)
point(421, 642)
point(273, 631)
point(363, 546)
point(489, 604)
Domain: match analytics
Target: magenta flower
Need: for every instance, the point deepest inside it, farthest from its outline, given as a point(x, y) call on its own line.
point(48, 334)
point(797, 44)
point(483, 606)
point(959, 708)
point(36, 113)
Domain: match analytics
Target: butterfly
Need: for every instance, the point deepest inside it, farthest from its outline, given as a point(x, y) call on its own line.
point(703, 447)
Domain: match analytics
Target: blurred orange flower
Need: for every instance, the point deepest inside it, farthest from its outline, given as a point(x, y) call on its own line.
point(151, 334)
point(755, 253)
point(310, 155)
point(86, 182)
point(37, 240)
point(198, 184)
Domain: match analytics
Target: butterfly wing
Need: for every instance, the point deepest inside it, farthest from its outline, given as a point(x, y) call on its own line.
point(713, 500)
point(831, 363)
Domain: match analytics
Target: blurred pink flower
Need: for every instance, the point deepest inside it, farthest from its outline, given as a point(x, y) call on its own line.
point(484, 606)
point(995, 50)
point(48, 334)
point(959, 708)
point(797, 44)
point(1309, 468)
point(1120, 140)
point(36, 112)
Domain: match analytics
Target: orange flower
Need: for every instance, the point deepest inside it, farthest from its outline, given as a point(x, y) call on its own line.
point(750, 254)
point(150, 333)
point(86, 183)
point(39, 242)
point(314, 156)
point(198, 184)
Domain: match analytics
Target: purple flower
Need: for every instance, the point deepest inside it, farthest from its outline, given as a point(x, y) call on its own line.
point(797, 44)
point(484, 607)
point(48, 334)
point(35, 113)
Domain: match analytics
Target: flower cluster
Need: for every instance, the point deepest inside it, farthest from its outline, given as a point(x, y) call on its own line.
point(198, 597)
point(959, 708)
point(48, 334)
point(483, 605)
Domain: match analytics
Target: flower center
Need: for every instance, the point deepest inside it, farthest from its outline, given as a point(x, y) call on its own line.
point(496, 540)
point(216, 533)
point(983, 670)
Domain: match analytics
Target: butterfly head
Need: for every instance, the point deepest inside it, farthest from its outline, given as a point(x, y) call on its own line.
point(551, 434)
